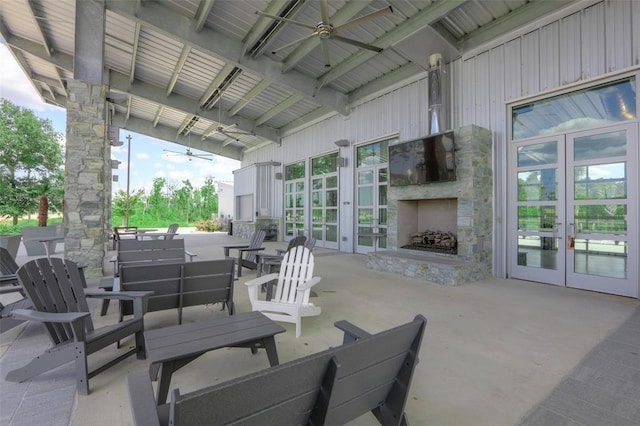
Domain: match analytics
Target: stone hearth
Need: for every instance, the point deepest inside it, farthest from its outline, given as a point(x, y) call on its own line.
point(472, 212)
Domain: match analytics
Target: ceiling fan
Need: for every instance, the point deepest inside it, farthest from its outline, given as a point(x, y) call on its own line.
point(324, 30)
point(231, 131)
point(190, 154)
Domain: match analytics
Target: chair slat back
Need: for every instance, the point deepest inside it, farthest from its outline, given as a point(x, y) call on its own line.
point(8, 265)
point(296, 268)
point(256, 240)
point(135, 252)
point(171, 231)
point(55, 286)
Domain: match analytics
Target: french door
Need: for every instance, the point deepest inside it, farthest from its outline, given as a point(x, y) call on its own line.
point(294, 199)
point(324, 210)
point(371, 208)
point(574, 210)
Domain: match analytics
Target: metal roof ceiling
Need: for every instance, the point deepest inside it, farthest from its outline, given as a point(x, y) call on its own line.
point(185, 68)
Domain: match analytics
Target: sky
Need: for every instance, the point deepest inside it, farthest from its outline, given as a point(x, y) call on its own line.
point(148, 160)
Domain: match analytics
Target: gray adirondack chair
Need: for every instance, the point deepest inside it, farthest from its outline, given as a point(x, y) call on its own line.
point(9, 282)
point(55, 290)
point(250, 261)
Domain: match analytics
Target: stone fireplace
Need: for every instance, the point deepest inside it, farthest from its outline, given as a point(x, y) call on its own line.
point(462, 207)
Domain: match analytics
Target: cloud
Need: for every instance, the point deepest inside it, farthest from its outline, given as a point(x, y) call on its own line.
point(15, 86)
point(143, 156)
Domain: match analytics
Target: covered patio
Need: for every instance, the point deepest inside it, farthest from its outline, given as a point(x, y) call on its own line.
point(495, 352)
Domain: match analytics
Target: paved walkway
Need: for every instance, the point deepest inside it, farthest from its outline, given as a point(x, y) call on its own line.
point(495, 352)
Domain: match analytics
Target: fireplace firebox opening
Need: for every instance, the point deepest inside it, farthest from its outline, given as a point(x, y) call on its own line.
point(428, 225)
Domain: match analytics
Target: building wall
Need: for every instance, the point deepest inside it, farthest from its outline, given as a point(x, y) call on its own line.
point(226, 204)
point(566, 48)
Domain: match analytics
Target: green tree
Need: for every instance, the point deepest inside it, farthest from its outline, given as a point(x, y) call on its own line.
point(30, 159)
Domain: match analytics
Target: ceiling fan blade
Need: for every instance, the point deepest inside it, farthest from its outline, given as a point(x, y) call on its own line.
point(202, 158)
point(290, 21)
point(325, 52)
point(364, 19)
point(176, 152)
point(293, 43)
point(324, 10)
point(357, 43)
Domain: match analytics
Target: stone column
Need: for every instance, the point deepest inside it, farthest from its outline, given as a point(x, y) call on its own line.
point(86, 175)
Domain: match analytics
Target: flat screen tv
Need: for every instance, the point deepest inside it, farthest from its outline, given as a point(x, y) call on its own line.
point(424, 160)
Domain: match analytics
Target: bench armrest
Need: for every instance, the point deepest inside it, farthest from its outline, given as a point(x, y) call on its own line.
point(351, 332)
point(118, 295)
point(143, 403)
point(191, 255)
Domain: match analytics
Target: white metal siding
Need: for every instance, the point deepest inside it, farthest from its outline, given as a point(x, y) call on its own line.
point(581, 45)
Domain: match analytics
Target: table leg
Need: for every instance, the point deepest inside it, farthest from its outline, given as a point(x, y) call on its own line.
point(272, 353)
point(166, 371)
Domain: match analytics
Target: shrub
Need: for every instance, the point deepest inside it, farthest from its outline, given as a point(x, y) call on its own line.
point(209, 225)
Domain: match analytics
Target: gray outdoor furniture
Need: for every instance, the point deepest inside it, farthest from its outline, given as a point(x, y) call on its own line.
point(366, 373)
point(123, 232)
point(178, 285)
point(250, 262)
point(138, 252)
point(8, 268)
point(54, 287)
point(42, 240)
point(171, 348)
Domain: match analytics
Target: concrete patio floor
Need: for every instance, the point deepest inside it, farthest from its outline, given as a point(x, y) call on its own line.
point(492, 352)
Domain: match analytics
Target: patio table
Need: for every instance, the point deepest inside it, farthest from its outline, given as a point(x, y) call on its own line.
point(171, 348)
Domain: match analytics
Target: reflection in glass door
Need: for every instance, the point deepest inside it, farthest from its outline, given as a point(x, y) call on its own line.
point(602, 211)
point(576, 204)
point(294, 200)
point(538, 188)
point(371, 196)
point(324, 200)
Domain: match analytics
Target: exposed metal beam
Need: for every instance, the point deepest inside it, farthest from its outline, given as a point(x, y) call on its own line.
point(387, 82)
point(59, 59)
point(291, 100)
point(227, 49)
point(48, 81)
point(89, 32)
point(425, 17)
point(340, 17)
point(36, 21)
point(134, 53)
point(128, 114)
point(224, 73)
point(162, 132)
point(203, 13)
point(178, 68)
point(257, 89)
point(158, 115)
point(257, 32)
point(317, 114)
point(120, 83)
point(517, 19)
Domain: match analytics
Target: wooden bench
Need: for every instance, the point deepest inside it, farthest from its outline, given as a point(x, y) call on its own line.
point(366, 373)
point(138, 252)
point(178, 285)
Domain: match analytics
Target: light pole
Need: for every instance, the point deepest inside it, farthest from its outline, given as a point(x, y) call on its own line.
point(128, 179)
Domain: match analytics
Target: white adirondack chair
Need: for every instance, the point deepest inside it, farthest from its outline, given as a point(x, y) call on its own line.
point(290, 301)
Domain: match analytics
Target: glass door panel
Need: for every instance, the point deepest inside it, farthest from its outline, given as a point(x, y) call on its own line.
point(601, 212)
point(582, 239)
point(324, 196)
point(538, 212)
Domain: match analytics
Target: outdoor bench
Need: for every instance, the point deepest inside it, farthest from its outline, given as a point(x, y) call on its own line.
point(178, 285)
point(142, 252)
point(365, 373)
